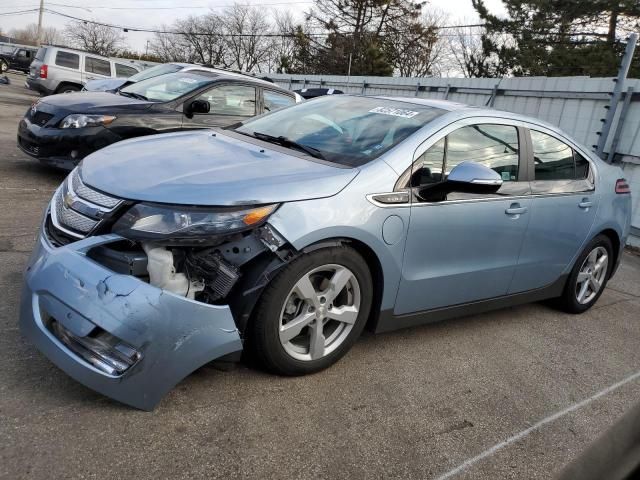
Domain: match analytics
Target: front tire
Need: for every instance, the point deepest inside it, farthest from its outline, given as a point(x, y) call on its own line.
point(589, 276)
point(311, 314)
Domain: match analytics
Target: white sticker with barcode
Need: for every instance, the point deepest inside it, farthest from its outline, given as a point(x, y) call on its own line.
point(396, 112)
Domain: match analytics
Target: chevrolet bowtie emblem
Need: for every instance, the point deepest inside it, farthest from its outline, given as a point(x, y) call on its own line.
point(69, 198)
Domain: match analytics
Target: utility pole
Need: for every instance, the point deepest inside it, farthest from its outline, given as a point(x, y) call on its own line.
point(40, 23)
point(615, 96)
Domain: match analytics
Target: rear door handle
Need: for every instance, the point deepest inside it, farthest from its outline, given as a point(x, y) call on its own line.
point(515, 209)
point(585, 203)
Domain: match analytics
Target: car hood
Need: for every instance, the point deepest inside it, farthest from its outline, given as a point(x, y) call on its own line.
point(93, 102)
point(104, 84)
point(208, 168)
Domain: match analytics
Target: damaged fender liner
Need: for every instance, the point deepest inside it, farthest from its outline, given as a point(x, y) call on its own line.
point(173, 334)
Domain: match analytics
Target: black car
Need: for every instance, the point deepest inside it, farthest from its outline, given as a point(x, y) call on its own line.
point(19, 59)
point(60, 130)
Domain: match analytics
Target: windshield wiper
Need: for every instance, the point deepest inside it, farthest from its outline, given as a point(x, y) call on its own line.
point(137, 96)
point(285, 142)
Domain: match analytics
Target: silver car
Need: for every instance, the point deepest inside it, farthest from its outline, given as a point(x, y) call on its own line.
point(66, 70)
point(287, 235)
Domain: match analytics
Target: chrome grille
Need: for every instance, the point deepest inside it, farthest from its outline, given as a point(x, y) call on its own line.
point(78, 210)
point(90, 194)
point(70, 218)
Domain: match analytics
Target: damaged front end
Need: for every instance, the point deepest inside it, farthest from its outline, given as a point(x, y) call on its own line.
point(130, 298)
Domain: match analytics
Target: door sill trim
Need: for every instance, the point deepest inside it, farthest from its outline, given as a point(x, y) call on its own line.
point(388, 322)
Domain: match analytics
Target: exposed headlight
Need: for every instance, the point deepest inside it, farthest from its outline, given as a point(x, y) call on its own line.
point(159, 222)
point(80, 120)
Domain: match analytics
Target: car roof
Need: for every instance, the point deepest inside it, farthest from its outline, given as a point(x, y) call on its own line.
point(464, 109)
point(428, 102)
point(227, 74)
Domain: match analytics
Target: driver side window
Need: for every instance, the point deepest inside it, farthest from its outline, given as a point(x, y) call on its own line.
point(235, 100)
point(495, 146)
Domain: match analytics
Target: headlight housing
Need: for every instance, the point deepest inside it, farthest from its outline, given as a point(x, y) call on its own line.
point(193, 224)
point(80, 120)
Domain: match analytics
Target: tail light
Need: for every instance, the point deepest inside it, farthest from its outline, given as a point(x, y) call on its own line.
point(44, 69)
point(622, 186)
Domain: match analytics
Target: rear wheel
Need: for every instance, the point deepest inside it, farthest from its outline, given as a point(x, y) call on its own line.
point(311, 314)
point(589, 276)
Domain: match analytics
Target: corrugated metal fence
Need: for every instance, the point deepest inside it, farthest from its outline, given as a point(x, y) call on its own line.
point(575, 104)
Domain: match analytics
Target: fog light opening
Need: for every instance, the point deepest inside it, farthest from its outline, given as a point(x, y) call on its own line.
point(104, 351)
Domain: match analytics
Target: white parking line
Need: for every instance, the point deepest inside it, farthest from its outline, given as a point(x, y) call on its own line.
point(487, 453)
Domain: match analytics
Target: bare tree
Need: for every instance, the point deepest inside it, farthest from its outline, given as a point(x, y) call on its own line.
point(468, 53)
point(204, 38)
point(98, 39)
point(171, 47)
point(282, 49)
point(246, 46)
point(414, 45)
point(29, 35)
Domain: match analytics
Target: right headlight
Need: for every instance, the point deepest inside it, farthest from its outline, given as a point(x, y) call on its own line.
point(160, 222)
point(80, 120)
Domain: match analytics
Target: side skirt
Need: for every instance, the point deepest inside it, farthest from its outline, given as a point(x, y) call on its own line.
point(389, 322)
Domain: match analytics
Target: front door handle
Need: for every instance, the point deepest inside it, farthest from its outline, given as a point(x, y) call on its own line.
point(516, 210)
point(585, 203)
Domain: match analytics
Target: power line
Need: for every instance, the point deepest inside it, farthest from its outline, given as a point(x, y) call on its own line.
point(84, 7)
point(19, 12)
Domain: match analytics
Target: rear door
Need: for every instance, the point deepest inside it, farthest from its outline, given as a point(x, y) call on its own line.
point(228, 104)
point(564, 205)
point(95, 68)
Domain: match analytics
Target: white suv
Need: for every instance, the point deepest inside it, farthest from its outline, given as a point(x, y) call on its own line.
point(63, 70)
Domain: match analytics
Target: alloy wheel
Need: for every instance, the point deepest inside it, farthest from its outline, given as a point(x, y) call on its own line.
point(592, 275)
point(319, 312)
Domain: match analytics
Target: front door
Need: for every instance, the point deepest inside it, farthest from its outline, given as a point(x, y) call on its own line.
point(464, 247)
point(228, 104)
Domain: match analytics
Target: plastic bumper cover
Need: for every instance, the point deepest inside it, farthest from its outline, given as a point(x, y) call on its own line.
point(173, 335)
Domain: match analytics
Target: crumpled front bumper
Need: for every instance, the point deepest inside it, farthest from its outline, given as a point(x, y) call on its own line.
point(173, 334)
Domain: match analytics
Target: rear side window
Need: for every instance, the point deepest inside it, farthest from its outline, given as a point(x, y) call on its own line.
point(41, 52)
point(553, 158)
point(274, 101)
point(495, 146)
point(582, 166)
point(98, 66)
point(67, 59)
point(124, 70)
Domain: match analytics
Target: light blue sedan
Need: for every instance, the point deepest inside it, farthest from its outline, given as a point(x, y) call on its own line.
point(287, 235)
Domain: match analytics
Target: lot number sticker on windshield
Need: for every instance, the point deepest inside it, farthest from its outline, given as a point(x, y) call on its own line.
point(396, 112)
point(187, 80)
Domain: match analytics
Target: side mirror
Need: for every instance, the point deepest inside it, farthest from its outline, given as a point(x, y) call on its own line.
point(197, 106)
point(466, 177)
point(472, 177)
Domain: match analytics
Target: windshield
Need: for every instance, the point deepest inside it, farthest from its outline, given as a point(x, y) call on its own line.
point(155, 72)
point(167, 87)
point(344, 129)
